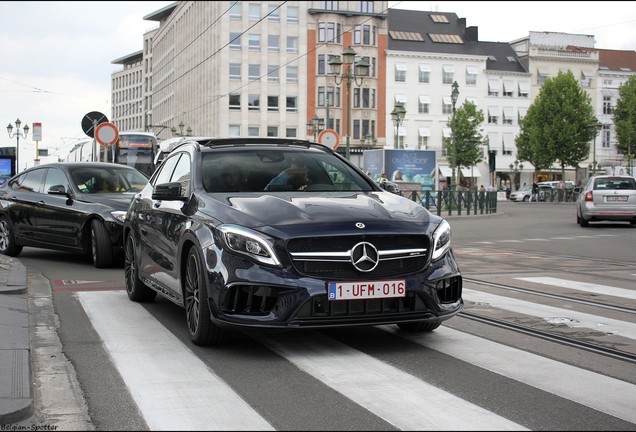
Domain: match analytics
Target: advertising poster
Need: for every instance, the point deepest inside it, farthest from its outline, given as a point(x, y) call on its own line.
point(373, 163)
point(412, 166)
point(6, 168)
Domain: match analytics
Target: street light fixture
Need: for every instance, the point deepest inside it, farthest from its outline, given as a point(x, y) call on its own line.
point(351, 73)
point(315, 126)
point(454, 95)
point(180, 133)
point(397, 115)
point(515, 170)
point(17, 136)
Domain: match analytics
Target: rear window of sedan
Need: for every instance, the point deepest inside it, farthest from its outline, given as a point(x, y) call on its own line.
point(615, 183)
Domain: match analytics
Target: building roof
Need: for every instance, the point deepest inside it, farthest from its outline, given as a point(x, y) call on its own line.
point(445, 32)
point(162, 13)
point(617, 60)
point(130, 58)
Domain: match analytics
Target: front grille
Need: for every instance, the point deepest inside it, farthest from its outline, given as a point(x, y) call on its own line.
point(331, 256)
point(449, 290)
point(249, 299)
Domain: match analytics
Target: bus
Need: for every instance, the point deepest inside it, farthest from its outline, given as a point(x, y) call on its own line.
point(136, 149)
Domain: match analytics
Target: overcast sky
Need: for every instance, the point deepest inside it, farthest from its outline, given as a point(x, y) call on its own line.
point(57, 56)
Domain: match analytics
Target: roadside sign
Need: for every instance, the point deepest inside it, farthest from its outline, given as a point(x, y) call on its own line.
point(330, 138)
point(37, 132)
point(89, 121)
point(106, 134)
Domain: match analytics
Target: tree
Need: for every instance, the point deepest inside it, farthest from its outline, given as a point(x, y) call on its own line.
point(625, 120)
point(556, 127)
point(463, 147)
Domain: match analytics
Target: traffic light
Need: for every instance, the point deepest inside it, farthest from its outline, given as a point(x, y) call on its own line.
point(492, 160)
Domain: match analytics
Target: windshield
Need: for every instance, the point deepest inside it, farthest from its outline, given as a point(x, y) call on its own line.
point(275, 170)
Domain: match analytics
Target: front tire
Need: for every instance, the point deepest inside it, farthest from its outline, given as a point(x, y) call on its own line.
point(202, 330)
point(101, 249)
point(136, 289)
point(7, 240)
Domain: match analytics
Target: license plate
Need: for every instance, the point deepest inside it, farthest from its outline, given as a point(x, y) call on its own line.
point(616, 198)
point(365, 290)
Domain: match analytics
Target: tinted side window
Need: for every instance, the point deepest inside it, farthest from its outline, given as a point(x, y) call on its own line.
point(182, 174)
point(54, 177)
point(31, 181)
point(166, 170)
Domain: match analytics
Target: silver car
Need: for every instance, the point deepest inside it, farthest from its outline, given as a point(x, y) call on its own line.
point(607, 198)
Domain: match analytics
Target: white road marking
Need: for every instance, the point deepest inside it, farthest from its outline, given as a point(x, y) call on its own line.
point(172, 387)
point(605, 394)
point(578, 319)
point(582, 286)
point(396, 396)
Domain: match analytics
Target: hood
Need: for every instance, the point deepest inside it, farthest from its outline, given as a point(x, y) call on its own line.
point(301, 213)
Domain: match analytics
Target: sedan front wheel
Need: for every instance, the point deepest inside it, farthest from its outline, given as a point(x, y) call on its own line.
point(7, 240)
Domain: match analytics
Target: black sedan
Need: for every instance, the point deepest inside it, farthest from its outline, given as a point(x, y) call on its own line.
point(71, 206)
point(281, 234)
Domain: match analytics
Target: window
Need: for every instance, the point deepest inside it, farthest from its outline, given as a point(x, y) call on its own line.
point(365, 6)
point(471, 75)
point(542, 75)
point(507, 144)
point(493, 115)
point(235, 11)
point(400, 98)
point(290, 133)
point(493, 87)
point(330, 5)
point(605, 136)
point(272, 73)
point(235, 101)
point(507, 115)
point(272, 103)
point(447, 105)
point(424, 75)
point(273, 43)
point(234, 130)
point(365, 98)
point(253, 131)
point(254, 71)
point(423, 104)
point(292, 103)
point(273, 12)
point(292, 74)
point(586, 79)
point(508, 87)
point(235, 71)
point(400, 72)
point(356, 97)
point(607, 105)
point(422, 138)
point(448, 73)
point(292, 44)
point(253, 102)
point(521, 113)
point(254, 42)
point(272, 131)
point(255, 11)
point(292, 14)
point(235, 40)
point(524, 89)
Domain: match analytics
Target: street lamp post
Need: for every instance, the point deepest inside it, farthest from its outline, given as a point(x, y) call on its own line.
point(180, 133)
point(593, 166)
point(17, 136)
point(351, 73)
point(397, 115)
point(315, 126)
point(454, 95)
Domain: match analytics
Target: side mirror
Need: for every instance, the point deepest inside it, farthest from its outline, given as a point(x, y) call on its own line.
point(168, 192)
point(57, 190)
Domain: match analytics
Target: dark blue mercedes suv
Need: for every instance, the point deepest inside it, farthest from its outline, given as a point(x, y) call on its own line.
point(280, 234)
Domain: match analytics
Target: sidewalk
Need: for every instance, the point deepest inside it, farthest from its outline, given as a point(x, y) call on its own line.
point(16, 392)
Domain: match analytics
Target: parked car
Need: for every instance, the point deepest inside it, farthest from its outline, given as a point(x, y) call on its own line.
point(607, 198)
point(522, 194)
point(70, 206)
point(307, 241)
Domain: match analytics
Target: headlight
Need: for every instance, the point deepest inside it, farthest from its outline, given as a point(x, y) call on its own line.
point(441, 240)
point(251, 243)
point(119, 215)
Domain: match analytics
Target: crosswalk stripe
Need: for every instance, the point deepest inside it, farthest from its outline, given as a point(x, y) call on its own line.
point(576, 319)
point(605, 394)
point(396, 396)
point(582, 286)
point(172, 387)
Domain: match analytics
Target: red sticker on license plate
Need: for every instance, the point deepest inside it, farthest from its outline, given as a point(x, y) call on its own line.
point(365, 290)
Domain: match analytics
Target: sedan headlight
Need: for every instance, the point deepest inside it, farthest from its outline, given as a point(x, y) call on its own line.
point(119, 215)
point(441, 240)
point(251, 243)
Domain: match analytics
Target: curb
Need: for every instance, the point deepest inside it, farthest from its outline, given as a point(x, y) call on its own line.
point(16, 390)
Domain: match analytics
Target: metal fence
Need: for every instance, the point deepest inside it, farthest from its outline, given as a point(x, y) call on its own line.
point(456, 202)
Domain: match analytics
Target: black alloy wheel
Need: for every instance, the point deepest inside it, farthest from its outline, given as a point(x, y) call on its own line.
point(7, 240)
point(136, 289)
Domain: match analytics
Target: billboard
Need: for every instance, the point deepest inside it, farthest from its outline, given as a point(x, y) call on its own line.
point(7, 168)
point(411, 166)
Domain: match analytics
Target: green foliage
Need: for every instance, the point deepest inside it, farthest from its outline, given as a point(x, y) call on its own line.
point(556, 127)
point(625, 117)
point(463, 147)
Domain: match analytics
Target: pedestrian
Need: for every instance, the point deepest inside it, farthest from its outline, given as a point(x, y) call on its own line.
point(482, 188)
point(535, 192)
